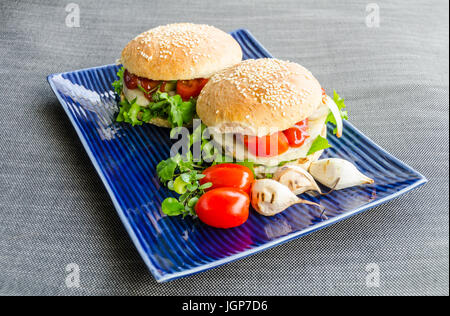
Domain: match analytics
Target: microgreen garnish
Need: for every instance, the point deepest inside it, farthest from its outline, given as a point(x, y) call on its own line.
point(182, 174)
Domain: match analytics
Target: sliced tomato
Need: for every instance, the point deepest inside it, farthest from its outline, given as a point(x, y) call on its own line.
point(298, 134)
point(229, 175)
point(223, 207)
point(203, 82)
point(303, 124)
point(131, 81)
point(324, 96)
point(190, 88)
point(267, 146)
point(148, 84)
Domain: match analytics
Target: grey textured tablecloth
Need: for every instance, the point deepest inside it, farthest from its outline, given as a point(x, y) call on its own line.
point(54, 209)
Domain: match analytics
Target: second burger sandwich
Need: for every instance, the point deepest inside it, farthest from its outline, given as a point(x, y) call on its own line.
point(269, 112)
point(165, 68)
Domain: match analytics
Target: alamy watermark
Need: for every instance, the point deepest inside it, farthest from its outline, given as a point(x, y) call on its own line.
point(220, 143)
point(373, 278)
point(73, 16)
point(373, 15)
point(73, 276)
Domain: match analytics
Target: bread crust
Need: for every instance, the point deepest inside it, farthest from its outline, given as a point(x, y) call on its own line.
point(181, 52)
point(259, 97)
point(160, 122)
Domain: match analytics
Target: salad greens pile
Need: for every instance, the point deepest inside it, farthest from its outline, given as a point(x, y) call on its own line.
point(182, 174)
point(320, 142)
point(163, 105)
point(184, 181)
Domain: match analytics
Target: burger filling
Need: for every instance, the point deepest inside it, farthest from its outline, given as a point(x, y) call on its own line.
point(298, 142)
point(144, 99)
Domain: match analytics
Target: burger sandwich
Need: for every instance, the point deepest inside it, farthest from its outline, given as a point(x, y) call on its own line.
point(165, 68)
point(269, 113)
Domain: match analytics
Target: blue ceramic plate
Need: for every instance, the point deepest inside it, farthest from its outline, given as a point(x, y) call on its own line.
point(125, 159)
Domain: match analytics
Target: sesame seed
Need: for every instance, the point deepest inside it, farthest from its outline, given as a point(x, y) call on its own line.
point(183, 35)
point(267, 81)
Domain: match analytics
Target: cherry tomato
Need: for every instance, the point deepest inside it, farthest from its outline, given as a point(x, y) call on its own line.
point(298, 134)
point(131, 81)
point(324, 92)
point(190, 88)
point(267, 146)
point(229, 175)
point(223, 207)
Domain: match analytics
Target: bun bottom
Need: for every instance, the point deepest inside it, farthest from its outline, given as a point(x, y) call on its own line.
point(160, 122)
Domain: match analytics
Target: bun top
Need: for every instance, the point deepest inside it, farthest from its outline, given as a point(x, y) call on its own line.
point(180, 52)
point(259, 97)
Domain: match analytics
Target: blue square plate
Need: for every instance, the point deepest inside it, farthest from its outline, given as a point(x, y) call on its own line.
point(126, 157)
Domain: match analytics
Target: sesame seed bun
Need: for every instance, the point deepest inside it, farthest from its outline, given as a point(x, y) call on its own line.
point(259, 97)
point(180, 52)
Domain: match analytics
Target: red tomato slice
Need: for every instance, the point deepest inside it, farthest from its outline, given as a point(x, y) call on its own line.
point(267, 146)
point(131, 81)
point(229, 175)
point(324, 96)
point(303, 124)
point(148, 84)
point(223, 207)
point(298, 134)
point(190, 88)
point(203, 82)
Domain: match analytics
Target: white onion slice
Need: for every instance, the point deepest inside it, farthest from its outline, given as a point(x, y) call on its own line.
point(337, 115)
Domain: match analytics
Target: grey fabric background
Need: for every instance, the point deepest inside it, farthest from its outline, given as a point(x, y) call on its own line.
point(55, 211)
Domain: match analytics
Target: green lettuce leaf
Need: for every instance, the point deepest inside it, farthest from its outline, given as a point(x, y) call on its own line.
point(118, 84)
point(342, 109)
point(319, 144)
point(123, 111)
point(133, 114)
point(171, 108)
